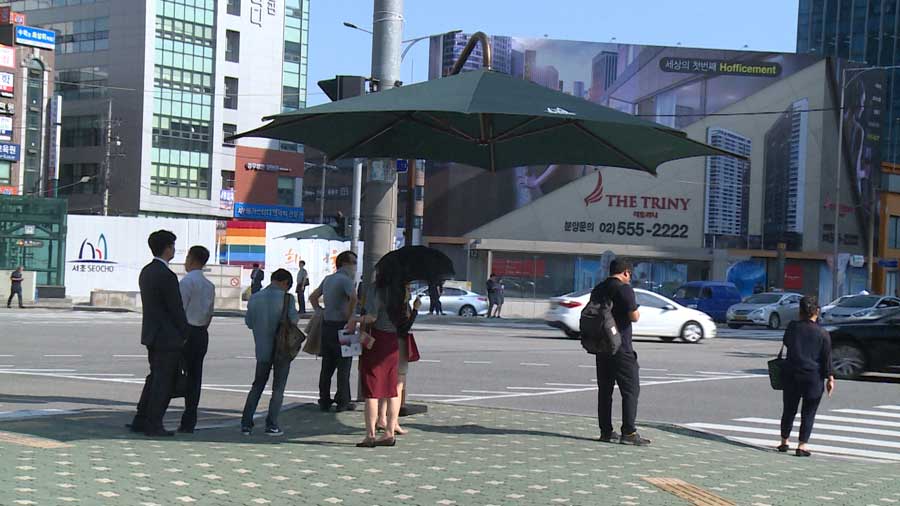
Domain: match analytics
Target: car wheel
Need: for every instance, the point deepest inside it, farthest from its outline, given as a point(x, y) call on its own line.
point(848, 360)
point(774, 321)
point(734, 325)
point(467, 311)
point(692, 332)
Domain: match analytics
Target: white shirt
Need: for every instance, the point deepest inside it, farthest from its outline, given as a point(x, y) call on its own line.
point(161, 260)
point(198, 295)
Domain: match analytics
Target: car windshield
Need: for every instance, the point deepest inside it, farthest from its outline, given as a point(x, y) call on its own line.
point(687, 292)
point(763, 298)
point(861, 301)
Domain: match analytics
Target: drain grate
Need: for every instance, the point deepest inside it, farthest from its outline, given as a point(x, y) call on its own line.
point(33, 442)
point(691, 493)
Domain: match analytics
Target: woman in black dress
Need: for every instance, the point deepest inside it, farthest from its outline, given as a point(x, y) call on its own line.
point(807, 373)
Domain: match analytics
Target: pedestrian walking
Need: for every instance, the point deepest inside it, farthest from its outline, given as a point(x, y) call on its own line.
point(620, 368)
point(339, 293)
point(806, 373)
point(302, 283)
point(263, 316)
point(198, 295)
point(435, 290)
point(386, 314)
point(493, 301)
point(257, 276)
point(15, 286)
point(164, 329)
point(500, 296)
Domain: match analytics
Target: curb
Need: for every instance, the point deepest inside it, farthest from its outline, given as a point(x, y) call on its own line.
point(104, 309)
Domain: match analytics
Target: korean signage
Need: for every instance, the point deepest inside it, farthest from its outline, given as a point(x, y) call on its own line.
point(35, 37)
point(8, 190)
point(719, 67)
point(8, 17)
point(243, 210)
point(7, 84)
point(226, 199)
point(7, 57)
point(6, 128)
point(257, 7)
point(9, 152)
point(7, 108)
point(265, 167)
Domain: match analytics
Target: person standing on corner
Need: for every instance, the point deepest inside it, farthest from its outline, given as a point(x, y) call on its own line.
point(164, 329)
point(257, 276)
point(263, 316)
point(492, 294)
point(621, 368)
point(15, 287)
point(500, 296)
point(302, 283)
point(339, 292)
point(434, 296)
point(807, 370)
point(198, 295)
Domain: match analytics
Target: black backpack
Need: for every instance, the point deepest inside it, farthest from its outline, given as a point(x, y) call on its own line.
point(599, 333)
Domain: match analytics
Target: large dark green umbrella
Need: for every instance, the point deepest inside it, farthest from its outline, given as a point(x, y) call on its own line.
point(326, 232)
point(486, 119)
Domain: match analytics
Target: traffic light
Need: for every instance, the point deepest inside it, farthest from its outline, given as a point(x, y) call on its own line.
point(342, 87)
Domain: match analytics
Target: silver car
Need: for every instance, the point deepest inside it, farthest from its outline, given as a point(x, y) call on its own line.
point(857, 308)
point(772, 309)
point(456, 301)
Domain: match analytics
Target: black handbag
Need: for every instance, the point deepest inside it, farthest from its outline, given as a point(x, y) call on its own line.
point(180, 387)
point(776, 370)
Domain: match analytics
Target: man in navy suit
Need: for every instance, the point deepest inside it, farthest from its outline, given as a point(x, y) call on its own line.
point(163, 332)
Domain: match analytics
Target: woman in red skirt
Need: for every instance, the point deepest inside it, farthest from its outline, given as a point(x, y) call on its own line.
point(386, 311)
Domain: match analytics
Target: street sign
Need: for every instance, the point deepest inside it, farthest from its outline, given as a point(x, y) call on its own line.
point(889, 264)
point(29, 243)
point(402, 166)
point(857, 260)
point(28, 229)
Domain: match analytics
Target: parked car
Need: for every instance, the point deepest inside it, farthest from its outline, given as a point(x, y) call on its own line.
point(772, 309)
point(859, 308)
point(871, 346)
point(712, 297)
point(828, 307)
point(660, 317)
point(456, 301)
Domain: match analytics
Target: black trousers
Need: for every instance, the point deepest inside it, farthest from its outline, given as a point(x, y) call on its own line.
point(157, 390)
point(791, 395)
point(331, 361)
point(620, 369)
point(301, 300)
point(17, 291)
point(194, 353)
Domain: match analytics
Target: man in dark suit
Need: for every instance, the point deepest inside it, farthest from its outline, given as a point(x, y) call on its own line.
point(163, 332)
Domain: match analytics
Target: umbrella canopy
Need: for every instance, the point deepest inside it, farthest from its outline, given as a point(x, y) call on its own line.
point(326, 232)
point(416, 263)
point(485, 119)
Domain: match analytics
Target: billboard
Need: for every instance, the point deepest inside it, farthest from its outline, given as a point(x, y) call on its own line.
point(776, 109)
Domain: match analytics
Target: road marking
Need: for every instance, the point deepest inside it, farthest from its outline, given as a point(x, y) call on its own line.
point(828, 426)
point(889, 407)
point(655, 370)
point(866, 412)
point(482, 392)
point(130, 356)
point(531, 388)
point(32, 371)
point(570, 384)
point(836, 450)
point(477, 362)
point(430, 361)
point(863, 421)
point(534, 364)
point(594, 367)
point(62, 356)
point(121, 375)
point(7, 356)
point(818, 437)
point(246, 357)
point(721, 373)
point(33, 413)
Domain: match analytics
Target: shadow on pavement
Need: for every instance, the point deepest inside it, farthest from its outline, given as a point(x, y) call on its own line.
point(480, 430)
point(44, 399)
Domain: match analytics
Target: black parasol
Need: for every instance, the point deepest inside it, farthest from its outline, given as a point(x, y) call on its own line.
point(416, 263)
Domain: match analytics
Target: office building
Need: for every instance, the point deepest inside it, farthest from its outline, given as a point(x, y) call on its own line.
point(178, 76)
point(727, 185)
point(578, 89)
point(603, 72)
point(785, 178)
point(449, 47)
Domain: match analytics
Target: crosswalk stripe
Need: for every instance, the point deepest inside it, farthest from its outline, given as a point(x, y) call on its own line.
point(862, 421)
point(821, 437)
point(867, 412)
point(889, 407)
point(835, 450)
point(828, 426)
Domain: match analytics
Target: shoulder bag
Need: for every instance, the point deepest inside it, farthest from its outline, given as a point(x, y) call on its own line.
point(288, 338)
point(776, 370)
point(313, 344)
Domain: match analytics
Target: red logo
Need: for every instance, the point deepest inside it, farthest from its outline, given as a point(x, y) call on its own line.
point(596, 195)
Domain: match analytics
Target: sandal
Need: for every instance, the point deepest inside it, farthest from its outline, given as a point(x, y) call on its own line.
point(400, 431)
point(385, 442)
point(783, 448)
point(366, 443)
point(802, 453)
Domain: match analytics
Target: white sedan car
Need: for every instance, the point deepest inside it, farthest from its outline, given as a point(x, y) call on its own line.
point(456, 301)
point(660, 317)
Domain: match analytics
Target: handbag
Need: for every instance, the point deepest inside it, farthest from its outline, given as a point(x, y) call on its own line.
point(776, 370)
point(412, 351)
point(288, 339)
point(180, 387)
point(313, 344)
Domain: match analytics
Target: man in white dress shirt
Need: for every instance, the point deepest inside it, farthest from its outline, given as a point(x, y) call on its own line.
point(198, 295)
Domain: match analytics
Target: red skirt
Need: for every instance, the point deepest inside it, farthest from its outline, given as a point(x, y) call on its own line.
point(378, 367)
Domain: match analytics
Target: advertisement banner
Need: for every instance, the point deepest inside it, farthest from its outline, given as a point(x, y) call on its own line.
point(7, 57)
point(245, 211)
point(109, 252)
point(9, 152)
point(8, 17)
point(319, 254)
point(6, 128)
point(35, 37)
point(8, 190)
point(7, 84)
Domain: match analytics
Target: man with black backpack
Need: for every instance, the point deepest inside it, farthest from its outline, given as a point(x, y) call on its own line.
point(606, 333)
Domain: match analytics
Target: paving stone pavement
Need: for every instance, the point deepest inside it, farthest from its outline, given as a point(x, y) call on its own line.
point(452, 455)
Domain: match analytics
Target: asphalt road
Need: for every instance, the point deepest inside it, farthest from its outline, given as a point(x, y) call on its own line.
point(58, 360)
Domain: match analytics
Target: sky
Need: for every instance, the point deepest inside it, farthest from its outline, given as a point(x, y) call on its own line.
point(767, 25)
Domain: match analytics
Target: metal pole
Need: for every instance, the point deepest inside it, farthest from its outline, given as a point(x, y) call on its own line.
point(870, 240)
point(379, 216)
point(322, 198)
point(354, 212)
point(106, 171)
point(837, 191)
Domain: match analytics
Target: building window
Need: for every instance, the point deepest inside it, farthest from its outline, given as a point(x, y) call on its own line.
point(81, 36)
point(81, 131)
point(231, 93)
point(228, 130)
point(232, 46)
point(227, 179)
point(71, 174)
point(5, 172)
point(894, 232)
point(32, 5)
point(83, 83)
point(286, 191)
point(234, 7)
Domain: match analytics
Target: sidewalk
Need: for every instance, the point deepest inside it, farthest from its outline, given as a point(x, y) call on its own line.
point(453, 455)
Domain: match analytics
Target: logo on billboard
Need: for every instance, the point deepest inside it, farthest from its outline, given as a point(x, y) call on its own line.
point(596, 195)
point(719, 67)
point(93, 257)
point(560, 110)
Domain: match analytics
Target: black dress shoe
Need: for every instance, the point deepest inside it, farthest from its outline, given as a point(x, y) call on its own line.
point(324, 407)
point(159, 433)
point(185, 430)
point(135, 428)
point(346, 407)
